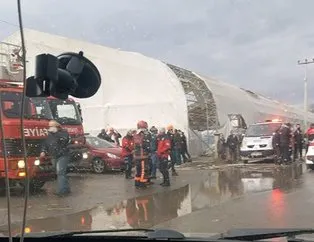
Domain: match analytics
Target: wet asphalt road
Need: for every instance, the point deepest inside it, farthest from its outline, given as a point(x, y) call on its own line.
point(202, 199)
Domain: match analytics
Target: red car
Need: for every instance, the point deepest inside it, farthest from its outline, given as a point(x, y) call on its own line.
point(101, 156)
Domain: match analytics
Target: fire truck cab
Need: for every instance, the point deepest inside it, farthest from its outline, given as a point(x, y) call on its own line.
point(257, 143)
point(36, 117)
point(67, 113)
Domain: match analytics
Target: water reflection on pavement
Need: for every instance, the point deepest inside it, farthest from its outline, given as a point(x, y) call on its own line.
point(162, 208)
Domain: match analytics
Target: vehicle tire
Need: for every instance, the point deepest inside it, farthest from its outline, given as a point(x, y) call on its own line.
point(310, 166)
point(2, 187)
point(34, 185)
point(98, 166)
point(37, 184)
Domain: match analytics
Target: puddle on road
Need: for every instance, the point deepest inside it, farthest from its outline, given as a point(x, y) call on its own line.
point(147, 211)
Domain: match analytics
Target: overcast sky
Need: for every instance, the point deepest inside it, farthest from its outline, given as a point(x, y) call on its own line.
point(254, 44)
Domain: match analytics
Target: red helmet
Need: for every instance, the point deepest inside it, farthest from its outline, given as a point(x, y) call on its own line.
point(142, 125)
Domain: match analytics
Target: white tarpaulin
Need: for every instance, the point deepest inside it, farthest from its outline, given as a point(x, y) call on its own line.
point(134, 87)
point(253, 107)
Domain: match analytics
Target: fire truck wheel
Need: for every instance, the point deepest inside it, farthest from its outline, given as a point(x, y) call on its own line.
point(36, 185)
point(98, 166)
point(2, 187)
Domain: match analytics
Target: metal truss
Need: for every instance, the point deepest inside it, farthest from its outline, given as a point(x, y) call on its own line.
point(202, 110)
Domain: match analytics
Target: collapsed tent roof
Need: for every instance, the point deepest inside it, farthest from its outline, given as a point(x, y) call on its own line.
point(135, 87)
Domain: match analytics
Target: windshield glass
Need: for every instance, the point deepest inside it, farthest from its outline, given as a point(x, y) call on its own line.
point(257, 130)
point(35, 108)
point(171, 92)
point(65, 112)
point(98, 143)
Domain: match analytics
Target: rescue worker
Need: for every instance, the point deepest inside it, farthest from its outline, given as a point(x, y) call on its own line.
point(298, 142)
point(170, 134)
point(114, 135)
point(142, 146)
point(276, 146)
point(127, 153)
point(163, 152)
point(177, 146)
point(309, 135)
point(56, 146)
point(285, 138)
point(232, 143)
point(153, 157)
point(103, 135)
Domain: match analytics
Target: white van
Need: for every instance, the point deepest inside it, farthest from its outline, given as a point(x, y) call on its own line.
point(257, 143)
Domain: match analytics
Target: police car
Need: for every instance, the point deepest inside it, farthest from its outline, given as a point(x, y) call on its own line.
point(257, 141)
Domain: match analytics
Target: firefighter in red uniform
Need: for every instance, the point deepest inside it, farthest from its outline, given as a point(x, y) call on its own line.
point(142, 146)
point(309, 135)
point(163, 153)
point(127, 153)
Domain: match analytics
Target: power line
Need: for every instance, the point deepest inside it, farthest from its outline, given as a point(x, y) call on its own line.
point(8, 23)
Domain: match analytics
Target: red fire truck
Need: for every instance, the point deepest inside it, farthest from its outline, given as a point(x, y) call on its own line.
point(67, 113)
point(36, 117)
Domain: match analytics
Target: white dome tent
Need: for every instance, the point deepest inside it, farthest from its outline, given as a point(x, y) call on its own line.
point(135, 87)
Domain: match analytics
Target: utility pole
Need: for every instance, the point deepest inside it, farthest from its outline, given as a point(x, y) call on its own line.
point(305, 62)
point(207, 123)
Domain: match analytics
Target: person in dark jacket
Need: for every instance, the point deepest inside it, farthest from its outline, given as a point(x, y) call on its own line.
point(153, 157)
point(56, 146)
point(177, 140)
point(233, 143)
point(103, 135)
point(221, 147)
point(298, 142)
point(163, 152)
point(170, 133)
point(114, 135)
point(276, 146)
point(184, 148)
point(127, 153)
point(142, 146)
point(285, 141)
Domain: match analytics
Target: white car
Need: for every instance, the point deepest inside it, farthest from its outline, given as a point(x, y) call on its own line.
point(309, 157)
point(257, 142)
